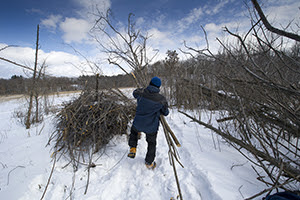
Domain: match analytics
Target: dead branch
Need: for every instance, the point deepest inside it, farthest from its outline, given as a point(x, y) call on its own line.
point(290, 170)
point(270, 27)
point(7, 47)
point(17, 64)
point(50, 176)
point(12, 171)
point(254, 85)
point(86, 125)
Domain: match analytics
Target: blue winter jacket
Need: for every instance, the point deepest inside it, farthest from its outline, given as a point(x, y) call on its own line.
point(150, 105)
point(283, 196)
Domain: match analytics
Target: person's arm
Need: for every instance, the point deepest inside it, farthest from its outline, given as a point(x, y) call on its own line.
point(165, 108)
point(137, 92)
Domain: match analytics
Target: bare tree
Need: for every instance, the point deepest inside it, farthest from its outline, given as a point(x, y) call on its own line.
point(127, 46)
point(35, 87)
point(28, 121)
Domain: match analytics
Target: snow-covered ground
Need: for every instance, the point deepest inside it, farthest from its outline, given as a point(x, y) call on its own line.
point(212, 169)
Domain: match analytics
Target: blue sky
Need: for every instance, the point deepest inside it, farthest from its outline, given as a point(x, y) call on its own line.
point(66, 23)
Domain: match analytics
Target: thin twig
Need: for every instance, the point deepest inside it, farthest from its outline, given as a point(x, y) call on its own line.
point(12, 171)
point(50, 176)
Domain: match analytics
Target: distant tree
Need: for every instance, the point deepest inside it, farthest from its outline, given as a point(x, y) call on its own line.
point(172, 58)
point(16, 77)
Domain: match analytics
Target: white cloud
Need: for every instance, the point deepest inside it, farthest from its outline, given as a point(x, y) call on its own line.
point(162, 41)
point(64, 64)
point(140, 21)
point(212, 27)
point(192, 17)
point(18, 54)
point(75, 30)
point(52, 21)
point(58, 63)
point(216, 8)
point(159, 38)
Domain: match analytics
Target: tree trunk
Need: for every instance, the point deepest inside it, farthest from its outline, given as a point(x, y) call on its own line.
point(28, 122)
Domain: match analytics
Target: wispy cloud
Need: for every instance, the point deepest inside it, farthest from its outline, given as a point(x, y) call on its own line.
point(192, 17)
point(34, 10)
point(52, 21)
point(91, 6)
point(216, 8)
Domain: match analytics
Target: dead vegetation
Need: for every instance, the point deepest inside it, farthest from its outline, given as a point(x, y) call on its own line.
point(88, 123)
point(253, 84)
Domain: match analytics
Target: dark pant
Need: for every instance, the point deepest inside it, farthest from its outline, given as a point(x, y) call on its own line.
point(151, 140)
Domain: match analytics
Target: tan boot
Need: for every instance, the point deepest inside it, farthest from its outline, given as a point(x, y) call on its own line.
point(132, 152)
point(150, 166)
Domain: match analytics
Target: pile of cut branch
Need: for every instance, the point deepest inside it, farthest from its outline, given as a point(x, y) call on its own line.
point(88, 123)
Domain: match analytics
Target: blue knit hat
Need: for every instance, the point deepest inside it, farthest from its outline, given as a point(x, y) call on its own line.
point(155, 81)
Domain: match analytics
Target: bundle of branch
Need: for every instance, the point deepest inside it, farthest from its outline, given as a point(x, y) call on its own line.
point(170, 137)
point(88, 123)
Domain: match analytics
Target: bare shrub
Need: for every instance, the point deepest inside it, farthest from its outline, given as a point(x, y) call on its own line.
point(126, 46)
point(255, 84)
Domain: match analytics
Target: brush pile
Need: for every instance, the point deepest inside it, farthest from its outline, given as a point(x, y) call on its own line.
point(88, 123)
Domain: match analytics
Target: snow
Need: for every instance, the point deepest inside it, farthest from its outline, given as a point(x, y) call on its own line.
point(213, 170)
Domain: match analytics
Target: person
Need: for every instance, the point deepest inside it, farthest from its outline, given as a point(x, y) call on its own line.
point(150, 105)
point(286, 195)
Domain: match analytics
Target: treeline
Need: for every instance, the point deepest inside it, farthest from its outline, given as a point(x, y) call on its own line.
point(21, 85)
point(105, 82)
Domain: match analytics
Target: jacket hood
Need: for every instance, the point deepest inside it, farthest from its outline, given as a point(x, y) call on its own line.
point(153, 89)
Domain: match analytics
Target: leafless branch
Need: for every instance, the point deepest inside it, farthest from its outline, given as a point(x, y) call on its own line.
point(270, 27)
point(17, 64)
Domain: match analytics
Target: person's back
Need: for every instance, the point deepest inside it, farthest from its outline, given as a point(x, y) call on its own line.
point(283, 196)
point(150, 105)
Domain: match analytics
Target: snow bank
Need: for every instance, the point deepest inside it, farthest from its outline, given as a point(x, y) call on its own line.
point(212, 169)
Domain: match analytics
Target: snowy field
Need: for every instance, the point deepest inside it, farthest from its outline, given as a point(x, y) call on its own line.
point(212, 169)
